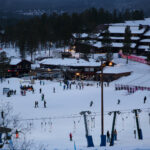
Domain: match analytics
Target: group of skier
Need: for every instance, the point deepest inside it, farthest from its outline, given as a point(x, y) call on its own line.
point(114, 134)
point(11, 92)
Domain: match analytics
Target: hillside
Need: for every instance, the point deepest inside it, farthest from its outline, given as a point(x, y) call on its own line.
point(50, 126)
point(74, 5)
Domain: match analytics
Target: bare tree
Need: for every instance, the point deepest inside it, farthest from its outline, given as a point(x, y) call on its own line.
point(10, 121)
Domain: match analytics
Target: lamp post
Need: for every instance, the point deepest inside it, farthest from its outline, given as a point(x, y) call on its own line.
point(103, 137)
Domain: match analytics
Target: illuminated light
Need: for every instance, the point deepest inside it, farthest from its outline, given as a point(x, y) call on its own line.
point(110, 63)
point(49, 69)
point(66, 50)
point(77, 74)
point(103, 65)
point(73, 51)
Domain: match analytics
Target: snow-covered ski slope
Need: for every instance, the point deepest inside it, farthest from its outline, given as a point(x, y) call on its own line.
point(51, 126)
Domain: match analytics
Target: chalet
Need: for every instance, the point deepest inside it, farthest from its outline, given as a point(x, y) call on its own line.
point(18, 67)
point(73, 68)
point(140, 38)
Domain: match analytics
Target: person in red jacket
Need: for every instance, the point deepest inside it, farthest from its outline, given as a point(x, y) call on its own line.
point(17, 134)
point(70, 135)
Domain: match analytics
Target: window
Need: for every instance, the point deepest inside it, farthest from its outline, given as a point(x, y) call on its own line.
point(86, 69)
point(92, 69)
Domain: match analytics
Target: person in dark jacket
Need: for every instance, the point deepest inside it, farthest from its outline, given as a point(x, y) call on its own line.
point(145, 99)
point(115, 135)
point(44, 104)
point(108, 137)
point(91, 103)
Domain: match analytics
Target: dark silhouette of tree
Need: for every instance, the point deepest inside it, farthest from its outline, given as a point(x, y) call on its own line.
point(30, 34)
point(4, 62)
point(107, 45)
point(127, 42)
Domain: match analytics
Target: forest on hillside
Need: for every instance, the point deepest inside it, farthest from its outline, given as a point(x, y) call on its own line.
point(44, 30)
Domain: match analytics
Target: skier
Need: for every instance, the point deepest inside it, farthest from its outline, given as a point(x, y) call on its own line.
point(44, 104)
point(91, 103)
point(2, 115)
point(70, 86)
point(97, 84)
point(24, 93)
point(108, 137)
point(82, 86)
point(70, 135)
point(42, 97)
point(53, 90)
point(115, 135)
point(14, 92)
point(35, 104)
point(145, 99)
point(135, 134)
point(118, 101)
point(17, 134)
point(64, 87)
point(33, 90)
point(108, 84)
point(40, 90)
point(76, 86)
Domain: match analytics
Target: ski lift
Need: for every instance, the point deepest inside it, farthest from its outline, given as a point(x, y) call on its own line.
point(149, 118)
point(93, 122)
point(1, 141)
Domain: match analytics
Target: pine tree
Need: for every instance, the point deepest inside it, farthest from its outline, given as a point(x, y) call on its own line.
point(107, 45)
point(4, 61)
point(127, 42)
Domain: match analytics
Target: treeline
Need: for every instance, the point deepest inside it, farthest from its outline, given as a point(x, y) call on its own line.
point(58, 29)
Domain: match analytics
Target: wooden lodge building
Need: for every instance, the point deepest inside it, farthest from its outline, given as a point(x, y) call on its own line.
point(18, 67)
point(140, 40)
point(73, 68)
point(80, 69)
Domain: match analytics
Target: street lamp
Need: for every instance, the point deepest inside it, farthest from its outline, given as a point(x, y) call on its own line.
point(103, 137)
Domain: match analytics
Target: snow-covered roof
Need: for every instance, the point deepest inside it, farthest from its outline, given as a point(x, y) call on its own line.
point(121, 45)
point(146, 21)
point(120, 38)
point(70, 62)
point(98, 44)
point(15, 61)
point(116, 69)
point(82, 35)
point(121, 29)
point(147, 33)
point(114, 44)
point(145, 40)
point(146, 47)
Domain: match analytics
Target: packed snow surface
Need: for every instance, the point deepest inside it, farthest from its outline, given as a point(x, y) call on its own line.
point(51, 126)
